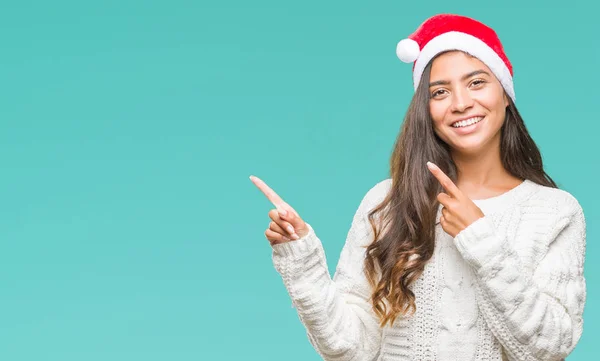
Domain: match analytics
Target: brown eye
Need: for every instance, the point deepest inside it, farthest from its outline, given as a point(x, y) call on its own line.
point(437, 93)
point(477, 82)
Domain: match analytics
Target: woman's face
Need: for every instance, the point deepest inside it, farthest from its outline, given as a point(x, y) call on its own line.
point(464, 88)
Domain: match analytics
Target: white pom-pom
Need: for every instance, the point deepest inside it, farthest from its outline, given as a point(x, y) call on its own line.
point(408, 50)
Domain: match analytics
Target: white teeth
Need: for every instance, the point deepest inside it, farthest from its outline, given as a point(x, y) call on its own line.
point(464, 123)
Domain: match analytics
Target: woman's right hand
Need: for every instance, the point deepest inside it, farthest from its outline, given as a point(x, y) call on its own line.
point(286, 225)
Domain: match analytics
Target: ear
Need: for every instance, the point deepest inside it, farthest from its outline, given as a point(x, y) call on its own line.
point(505, 100)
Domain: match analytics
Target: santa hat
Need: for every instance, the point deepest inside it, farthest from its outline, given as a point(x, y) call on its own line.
point(445, 32)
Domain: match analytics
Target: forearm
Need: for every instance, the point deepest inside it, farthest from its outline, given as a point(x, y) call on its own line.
point(528, 312)
point(339, 324)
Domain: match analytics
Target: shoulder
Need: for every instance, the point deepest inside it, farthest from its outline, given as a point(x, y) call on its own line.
point(374, 195)
point(559, 201)
point(377, 193)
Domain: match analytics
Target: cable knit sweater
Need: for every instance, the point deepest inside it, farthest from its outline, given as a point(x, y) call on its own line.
point(508, 287)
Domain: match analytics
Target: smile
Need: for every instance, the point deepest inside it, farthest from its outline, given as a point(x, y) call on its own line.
point(467, 122)
point(467, 126)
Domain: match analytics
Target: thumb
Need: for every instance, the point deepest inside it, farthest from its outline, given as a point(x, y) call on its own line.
point(294, 219)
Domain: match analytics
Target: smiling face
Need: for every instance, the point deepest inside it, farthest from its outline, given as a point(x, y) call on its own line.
point(464, 90)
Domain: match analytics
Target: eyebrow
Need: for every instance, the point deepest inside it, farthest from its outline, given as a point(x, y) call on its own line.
point(446, 82)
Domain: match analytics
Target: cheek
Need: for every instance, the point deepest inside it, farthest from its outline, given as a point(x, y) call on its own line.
point(437, 112)
point(493, 99)
point(494, 102)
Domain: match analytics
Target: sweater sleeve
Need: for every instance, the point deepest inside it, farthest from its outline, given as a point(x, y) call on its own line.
point(535, 311)
point(336, 313)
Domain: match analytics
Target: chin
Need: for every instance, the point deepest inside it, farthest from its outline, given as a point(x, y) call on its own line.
point(473, 145)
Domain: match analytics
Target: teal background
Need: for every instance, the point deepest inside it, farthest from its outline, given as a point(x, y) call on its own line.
point(129, 227)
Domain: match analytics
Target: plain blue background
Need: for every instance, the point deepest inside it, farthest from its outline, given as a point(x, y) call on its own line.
point(130, 229)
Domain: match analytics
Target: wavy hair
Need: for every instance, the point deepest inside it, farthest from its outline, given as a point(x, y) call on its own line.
point(397, 257)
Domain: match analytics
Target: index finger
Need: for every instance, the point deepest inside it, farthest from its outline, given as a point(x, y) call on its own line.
point(271, 195)
point(444, 180)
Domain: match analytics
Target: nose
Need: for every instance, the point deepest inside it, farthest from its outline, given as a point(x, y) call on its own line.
point(461, 100)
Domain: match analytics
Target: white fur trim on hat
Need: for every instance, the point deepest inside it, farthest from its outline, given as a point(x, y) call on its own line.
point(407, 50)
point(455, 40)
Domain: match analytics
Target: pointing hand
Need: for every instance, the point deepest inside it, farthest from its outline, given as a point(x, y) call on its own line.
point(286, 224)
point(458, 211)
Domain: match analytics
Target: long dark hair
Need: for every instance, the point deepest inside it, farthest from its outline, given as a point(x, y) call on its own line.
point(397, 257)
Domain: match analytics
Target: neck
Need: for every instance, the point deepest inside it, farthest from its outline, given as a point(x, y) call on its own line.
point(481, 169)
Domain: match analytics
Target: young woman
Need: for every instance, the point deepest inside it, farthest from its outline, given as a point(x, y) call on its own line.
point(469, 251)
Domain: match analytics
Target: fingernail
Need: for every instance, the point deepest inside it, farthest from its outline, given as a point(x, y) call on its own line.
point(282, 212)
point(295, 236)
point(290, 229)
point(286, 239)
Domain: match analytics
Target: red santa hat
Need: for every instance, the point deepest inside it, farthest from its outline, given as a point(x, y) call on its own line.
point(445, 32)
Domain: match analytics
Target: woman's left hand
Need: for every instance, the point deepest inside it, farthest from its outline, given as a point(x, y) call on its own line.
point(458, 210)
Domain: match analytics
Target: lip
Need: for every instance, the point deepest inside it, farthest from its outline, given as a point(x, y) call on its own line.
point(465, 118)
point(470, 128)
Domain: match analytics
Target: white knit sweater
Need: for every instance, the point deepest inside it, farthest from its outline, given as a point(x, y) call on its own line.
point(509, 286)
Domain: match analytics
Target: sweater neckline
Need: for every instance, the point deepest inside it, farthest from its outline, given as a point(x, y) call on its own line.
point(501, 201)
point(511, 195)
